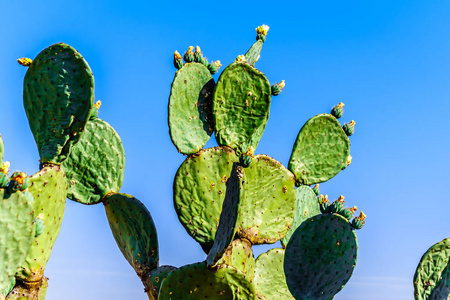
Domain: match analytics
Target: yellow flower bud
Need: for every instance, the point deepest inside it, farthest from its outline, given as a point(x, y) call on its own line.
point(197, 49)
point(341, 105)
point(263, 29)
point(282, 84)
point(240, 58)
point(362, 216)
point(341, 198)
point(353, 209)
point(349, 160)
point(98, 104)
point(26, 62)
point(5, 167)
point(176, 55)
point(190, 49)
point(218, 64)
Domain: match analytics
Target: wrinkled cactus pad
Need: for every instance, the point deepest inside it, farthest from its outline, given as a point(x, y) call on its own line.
point(432, 277)
point(239, 255)
point(190, 108)
point(197, 281)
point(58, 97)
point(320, 257)
point(241, 107)
point(320, 151)
point(270, 281)
point(96, 164)
point(134, 231)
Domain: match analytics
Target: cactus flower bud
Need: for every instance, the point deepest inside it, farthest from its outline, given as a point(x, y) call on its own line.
point(189, 55)
point(198, 56)
point(213, 67)
point(177, 60)
point(26, 62)
point(349, 128)
point(261, 32)
point(240, 58)
point(316, 189)
point(359, 221)
point(338, 110)
point(5, 167)
point(98, 104)
point(277, 88)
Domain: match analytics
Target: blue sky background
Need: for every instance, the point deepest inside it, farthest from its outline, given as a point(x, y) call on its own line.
point(388, 61)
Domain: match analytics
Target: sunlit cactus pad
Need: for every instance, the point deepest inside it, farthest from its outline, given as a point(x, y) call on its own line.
point(96, 164)
point(239, 255)
point(320, 151)
point(197, 281)
point(270, 281)
point(190, 105)
point(320, 257)
point(58, 97)
point(432, 277)
point(241, 107)
point(199, 191)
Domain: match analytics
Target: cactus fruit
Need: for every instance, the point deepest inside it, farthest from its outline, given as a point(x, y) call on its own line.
point(18, 182)
point(338, 110)
point(338, 205)
point(324, 204)
point(189, 55)
point(277, 88)
point(348, 212)
point(359, 221)
point(316, 189)
point(349, 128)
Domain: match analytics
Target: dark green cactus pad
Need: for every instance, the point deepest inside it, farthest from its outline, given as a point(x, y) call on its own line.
point(432, 277)
point(305, 208)
point(49, 191)
point(134, 231)
point(320, 257)
point(190, 117)
point(199, 192)
point(320, 151)
point(96, 164)
point(197, 281)
point(239, 255)
point(228, 217)
point(58, 97)
point(252, 54)
point(153, 280)
point(16, 233)
point(241, 106)
point(270, 281)
point(267, 204)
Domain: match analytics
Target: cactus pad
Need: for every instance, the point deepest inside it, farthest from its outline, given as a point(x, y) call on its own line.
point(320, 257)
point(58, 97)
point(241, 106)
point(270, 281)
point(134, 231)
point(29, 291)
point(267, 204)
point(306, 207)
point(320, 151)
point(239, 255)
point(432, 277)
point(96, 164)
point(190, 118)
point(199, 191)
point(153, 280)
point(197, 281)
point(252, 54)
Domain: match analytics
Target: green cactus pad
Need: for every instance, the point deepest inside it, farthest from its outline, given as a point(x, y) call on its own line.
point(58, 97)
point(153, 280)
point(241, 106)
point(16, 233)
point(96, 164)
point(305, 208)
point(197, 281)
point(190, 118)
point(9, 287)
point(270, 281)
point(320, 151)
point(49, 191)
point(199, 191)
point(252, 54)
point(134, 231)
point(432, 277)
point(320, 257)
point(228, 217)
point(267, 204)
point(239, 255)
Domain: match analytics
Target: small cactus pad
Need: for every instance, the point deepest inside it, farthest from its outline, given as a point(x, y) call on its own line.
point(432, 277)
point(134, 231)
point(16, 233)
point(58, 97)
point(267, 204)
point(153, 280)
point(49, 191)
point(270, 281)
point(239, 255)
point(197, 281)
point(241, 106)
point(199, 192)
point(320, 257)
point(252, 54)
point(190, 117)
point(96, 164)
point(320, 151)
point(228, 217)
point(306, 207)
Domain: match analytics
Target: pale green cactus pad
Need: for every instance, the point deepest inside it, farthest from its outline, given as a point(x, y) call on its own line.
point(239, 255)
point(270, 281)
point(197, 281)
point(432, 277)
point(252, 54)
point(320, 151)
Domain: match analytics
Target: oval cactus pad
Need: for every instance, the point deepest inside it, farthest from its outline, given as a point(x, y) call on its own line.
point(197, 281)
point(320, 151)
point(190, 116)
point(432, 277)
point(267, 204)
point(96, 164)
point(58, 97)
point(320, 257)
point(199, 192)
point(241, 106)
point(134, 231)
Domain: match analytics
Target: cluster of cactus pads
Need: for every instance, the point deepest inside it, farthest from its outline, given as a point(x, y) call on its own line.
point(227, 197)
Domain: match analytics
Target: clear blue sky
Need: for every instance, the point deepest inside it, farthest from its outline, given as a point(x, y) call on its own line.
point(388, 61)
